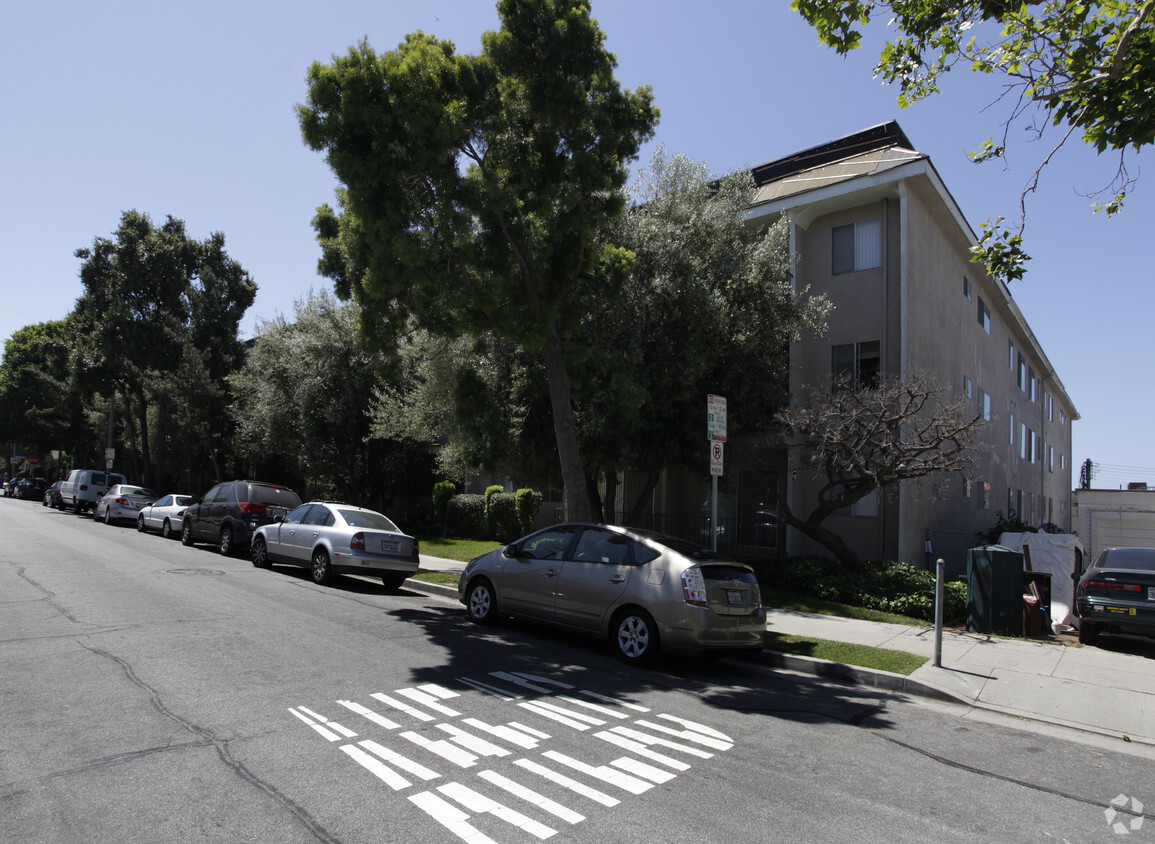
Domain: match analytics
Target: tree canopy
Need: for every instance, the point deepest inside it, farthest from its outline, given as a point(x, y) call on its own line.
point(1087, 66)
point(473, 186)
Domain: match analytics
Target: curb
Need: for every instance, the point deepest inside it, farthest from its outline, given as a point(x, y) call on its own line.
point(438, 589)
point(874, 678)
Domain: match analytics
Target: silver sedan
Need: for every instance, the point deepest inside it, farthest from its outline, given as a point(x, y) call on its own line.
point(122, 503)
point(643, 591)
point(165, 514)
point(334, 538)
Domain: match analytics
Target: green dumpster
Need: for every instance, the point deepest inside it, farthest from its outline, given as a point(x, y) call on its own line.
point(995, 591)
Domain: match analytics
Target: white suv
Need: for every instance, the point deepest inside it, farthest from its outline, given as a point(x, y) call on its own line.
point(84, 487)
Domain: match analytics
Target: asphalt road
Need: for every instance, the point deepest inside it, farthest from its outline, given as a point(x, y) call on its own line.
point(156, 693)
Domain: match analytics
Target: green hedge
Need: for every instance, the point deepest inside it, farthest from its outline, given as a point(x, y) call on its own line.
point(465, 516)
point(886, 586)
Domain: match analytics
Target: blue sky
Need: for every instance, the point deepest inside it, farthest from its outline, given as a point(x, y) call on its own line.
point(188, 110)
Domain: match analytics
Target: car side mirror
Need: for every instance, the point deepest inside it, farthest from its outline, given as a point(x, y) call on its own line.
point(1076, 575)
point(510, 550)
point(277, 519)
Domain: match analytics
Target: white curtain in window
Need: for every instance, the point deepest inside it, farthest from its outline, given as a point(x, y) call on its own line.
point(868, 244)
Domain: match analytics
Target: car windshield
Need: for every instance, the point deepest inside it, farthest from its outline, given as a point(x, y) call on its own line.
point(1127, 558)
point(368, 519)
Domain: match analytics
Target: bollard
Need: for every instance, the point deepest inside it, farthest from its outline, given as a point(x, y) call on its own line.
point(939, 574)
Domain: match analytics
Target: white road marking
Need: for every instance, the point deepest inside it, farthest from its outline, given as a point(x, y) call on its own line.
point(366, 712)
point(531, 796)
point(604, 710)
point(553, 716)
point(444, 749)
point(428, 701)
point(450, 817)
point(640, 749)
point(564, 781)
point(544, 680)
point(698, 728)
point(603, 772)
point(490, 690)
point(647, 739)
point(327, 733)
point(475, 802)
point(641, 769)
point(471, 742)
point(608, 699)
point(511, 735)
point(401, 706)
point(438, 691)
point(529, 730)
point(691, 735)
point(402, 762)
point(329, 722)
point(518, 681)
point(376, 767)
point(561, 710)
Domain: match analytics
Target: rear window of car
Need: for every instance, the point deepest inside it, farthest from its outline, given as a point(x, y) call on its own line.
point(278, 496)
point(1127, 558)
point(368, 519)
point(137, 490)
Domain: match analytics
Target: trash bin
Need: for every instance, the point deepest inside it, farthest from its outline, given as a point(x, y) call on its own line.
point(995, 591)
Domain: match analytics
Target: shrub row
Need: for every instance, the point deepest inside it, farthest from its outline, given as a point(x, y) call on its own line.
point(885, 586)
point(503, 516)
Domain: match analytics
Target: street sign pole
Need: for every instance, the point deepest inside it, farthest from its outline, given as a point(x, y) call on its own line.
point(716, 434)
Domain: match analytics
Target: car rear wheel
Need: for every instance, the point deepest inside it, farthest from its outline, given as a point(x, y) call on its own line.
point(322, 571)
point(166, 529)
point(1088, 632)
point(635, 636)
point(186, 534)
point(108, 516)
point(140, 522)
point(225, 546)
point(260, 554)
point(393, 582)
point(482, 602)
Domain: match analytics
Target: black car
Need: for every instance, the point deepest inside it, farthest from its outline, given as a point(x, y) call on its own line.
point(52, 496)
point(31, 488)
point(1117, 594)
point(228, 513)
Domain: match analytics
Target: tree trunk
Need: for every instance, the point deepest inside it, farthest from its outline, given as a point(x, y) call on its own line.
point(572, 474)
point(597, 511)
point(829, 540)
point(609, 504)
point(635, 512)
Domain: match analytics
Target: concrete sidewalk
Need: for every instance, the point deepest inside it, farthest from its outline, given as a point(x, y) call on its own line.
point(1093, 689)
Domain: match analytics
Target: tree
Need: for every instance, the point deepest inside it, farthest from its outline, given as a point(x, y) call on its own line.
point(473, 186)
point(1088, 66)
point(155, 303)
point(38, 408)
point(871, 439)
point(709, 307)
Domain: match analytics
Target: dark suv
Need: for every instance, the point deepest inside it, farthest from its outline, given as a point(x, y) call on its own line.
point(228, 513)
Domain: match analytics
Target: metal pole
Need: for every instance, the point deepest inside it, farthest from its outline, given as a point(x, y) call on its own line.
point(939, 576)
point(714, 513)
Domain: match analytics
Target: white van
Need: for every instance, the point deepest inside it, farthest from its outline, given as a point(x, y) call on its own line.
point(84, 487)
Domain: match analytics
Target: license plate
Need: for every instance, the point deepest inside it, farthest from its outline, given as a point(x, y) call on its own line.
point(1151, 593)
point(734, 598)
point(1122, 610)
point(390, 547)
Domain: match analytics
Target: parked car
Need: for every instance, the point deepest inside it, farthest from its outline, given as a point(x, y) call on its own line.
point(334, 538)
point(230, 512)
point(83, 488)
point(31, 489)
point(122, 503)
point(1117, 594)
point(52, 496)
point(643, 591)
point(165, 514)
point(10, 486)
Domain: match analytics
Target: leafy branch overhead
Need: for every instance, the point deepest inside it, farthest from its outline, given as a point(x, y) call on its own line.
point(1089, 67)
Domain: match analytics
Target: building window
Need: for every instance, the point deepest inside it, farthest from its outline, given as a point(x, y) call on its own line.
point(985, 498)
point(967, 288)
point(1030, 508)
point(984, 316)
point(1049, 403)
point(857, 246)
point(985, 404)
point(967, 487)
point(866, 506)
point(1062, 462)
point(1051, 458)
point(1012, 440)
point(968, 387)
point(1022, 379)
point(1062, 417)
point(856, 365)
point(1011, 346)
point(1034, 391)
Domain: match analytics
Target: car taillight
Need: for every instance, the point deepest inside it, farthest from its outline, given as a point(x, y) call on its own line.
point(416, 547)
point(83, 487)
point(694, 587)
point(357, 542)
point(1112, 586)
point(179, 513)
point(123, 502)
point(252, 508)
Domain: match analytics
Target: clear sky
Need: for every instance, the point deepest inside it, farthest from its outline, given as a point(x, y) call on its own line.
point(188, 110)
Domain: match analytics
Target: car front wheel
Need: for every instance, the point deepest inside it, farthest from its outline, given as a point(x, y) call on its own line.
point(260, 553)
point(482, 602)
point(166, 529)
point(322, 571)
point(186, 534)
point(635, 636)
point(140, 522)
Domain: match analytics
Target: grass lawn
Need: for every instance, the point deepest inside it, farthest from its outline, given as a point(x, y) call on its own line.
point(898, 662)
point(462, 550)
